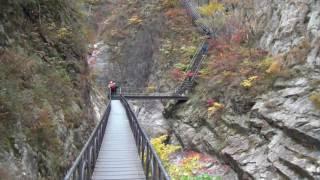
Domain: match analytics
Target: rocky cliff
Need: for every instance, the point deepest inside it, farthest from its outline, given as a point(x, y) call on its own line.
point(45, 107)
point(274, 135)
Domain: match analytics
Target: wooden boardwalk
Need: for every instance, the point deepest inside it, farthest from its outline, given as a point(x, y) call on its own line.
point(118, 157)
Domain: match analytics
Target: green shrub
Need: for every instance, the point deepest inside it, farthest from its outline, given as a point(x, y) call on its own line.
point(266, 63)
point(188, 50)
point(170, 3)
point(181, 67)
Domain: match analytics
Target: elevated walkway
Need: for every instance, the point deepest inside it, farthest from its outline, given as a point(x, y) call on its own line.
point(145, 96)
point(118, 157)
point(118, 149)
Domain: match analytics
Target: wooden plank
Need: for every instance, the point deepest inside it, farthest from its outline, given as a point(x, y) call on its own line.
point(123, 155)
point(114, 178)
point(133, 165)
point(117, 153)
point(112, 167)
point(122, 166)
point(120, 173)
point(105, 161)
point(156, 97)
point(115, 159)
point(111, 147)
point(110, 144)
point(118, 177)
point(119, 156)
point(123, 149)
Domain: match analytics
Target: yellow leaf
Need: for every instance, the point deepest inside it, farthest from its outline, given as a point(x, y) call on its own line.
point(274, 68)
point(208, 10)
point(135, 20)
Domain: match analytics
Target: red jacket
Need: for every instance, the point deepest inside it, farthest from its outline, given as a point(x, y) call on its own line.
point(190, 74)
point(112, 86)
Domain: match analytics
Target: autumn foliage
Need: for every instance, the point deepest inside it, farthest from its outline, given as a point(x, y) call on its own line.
point(174, 12)
point(210, 9)
point(184, 165)
point(177, 74)
point(169, 3)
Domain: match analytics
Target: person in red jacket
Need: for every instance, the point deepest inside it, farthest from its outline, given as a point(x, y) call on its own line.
point(112, 87)
point(190, 75)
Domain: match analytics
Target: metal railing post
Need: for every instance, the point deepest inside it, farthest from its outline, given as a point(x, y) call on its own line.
point(83, 166)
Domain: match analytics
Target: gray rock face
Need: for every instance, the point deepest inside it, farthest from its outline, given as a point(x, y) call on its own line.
point(132, 67)
point(287, 23)
point(99, 63)
point(279, 138)
point(149, 113)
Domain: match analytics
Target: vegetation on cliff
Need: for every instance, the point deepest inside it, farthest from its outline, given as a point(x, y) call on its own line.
point(261, 80)
point(44, 105)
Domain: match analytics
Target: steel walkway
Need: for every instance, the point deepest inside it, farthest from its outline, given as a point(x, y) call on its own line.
point(118, 149)
point(118, 157)
point(158, 97)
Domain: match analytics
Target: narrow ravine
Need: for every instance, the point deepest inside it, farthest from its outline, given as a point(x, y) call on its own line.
point(150, 112)
point(253, 99)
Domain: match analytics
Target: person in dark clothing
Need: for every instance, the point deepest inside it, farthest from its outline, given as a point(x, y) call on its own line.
point(205, 48)
point(209, 34)
point(204, 29)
